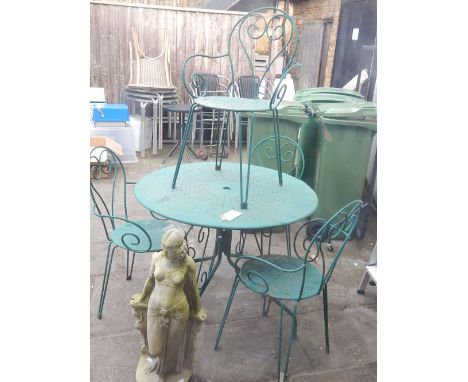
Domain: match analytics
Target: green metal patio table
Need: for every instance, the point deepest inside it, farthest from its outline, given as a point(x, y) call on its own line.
point(202, 195)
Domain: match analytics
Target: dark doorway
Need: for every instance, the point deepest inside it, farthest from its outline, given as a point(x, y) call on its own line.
point(356, 44)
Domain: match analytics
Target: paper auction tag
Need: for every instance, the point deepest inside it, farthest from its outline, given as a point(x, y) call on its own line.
point(230, 215)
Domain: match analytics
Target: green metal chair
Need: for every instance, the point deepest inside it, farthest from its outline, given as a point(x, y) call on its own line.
point(292, 279)
point(213, 85)
point(251, 27)
point(134, 236)
point(292, 163)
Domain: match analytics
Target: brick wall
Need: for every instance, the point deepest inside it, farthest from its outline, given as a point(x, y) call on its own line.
point(305, 10)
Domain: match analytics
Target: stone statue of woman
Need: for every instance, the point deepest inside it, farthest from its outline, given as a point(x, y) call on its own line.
point(169, 313)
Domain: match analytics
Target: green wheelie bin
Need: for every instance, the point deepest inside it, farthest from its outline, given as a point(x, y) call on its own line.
point(291, 117)
point(309, 134)
point(305, 94)
point(338, 142)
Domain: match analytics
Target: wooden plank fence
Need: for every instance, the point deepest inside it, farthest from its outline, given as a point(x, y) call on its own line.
point(312, 52)
point(190, 31)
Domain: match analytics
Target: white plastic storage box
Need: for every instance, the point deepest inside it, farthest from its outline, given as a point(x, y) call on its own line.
point(123, 136)
point(97, 95)
point(135, 124)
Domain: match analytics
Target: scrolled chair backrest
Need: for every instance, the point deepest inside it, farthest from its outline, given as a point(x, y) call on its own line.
point(204, 84)
point(337, 230)
point(255, 271)
point(105, 167)
point(268, 23)
point(249, 86)
point(292, 156)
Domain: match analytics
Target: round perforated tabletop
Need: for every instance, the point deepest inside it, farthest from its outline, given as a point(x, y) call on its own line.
point(202, 194)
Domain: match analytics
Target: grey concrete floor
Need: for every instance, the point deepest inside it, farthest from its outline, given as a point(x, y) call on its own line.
point(249, 343)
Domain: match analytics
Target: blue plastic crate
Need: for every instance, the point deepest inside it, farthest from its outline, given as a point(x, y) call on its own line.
point(105, 112)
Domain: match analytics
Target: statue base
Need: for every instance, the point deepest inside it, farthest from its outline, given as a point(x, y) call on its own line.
point(142, 374)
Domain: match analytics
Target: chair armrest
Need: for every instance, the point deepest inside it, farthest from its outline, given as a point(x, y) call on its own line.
point(136, 236)
point(262, 259)
point(254, 277)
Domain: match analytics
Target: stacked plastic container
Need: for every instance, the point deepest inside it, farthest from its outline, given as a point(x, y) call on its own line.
point(111, 120)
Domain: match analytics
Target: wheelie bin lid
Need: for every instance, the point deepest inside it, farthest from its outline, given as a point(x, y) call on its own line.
point(323, 98)
point(362, 114)
point(291, 110)
point(328, 90)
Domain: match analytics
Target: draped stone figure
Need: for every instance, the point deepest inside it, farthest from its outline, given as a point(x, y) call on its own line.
point(169, 313)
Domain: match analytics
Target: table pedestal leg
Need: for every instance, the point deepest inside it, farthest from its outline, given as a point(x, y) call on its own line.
point(222, 245)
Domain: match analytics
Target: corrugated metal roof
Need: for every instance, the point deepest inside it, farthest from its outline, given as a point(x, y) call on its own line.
point(238, 5)
point(248, 5)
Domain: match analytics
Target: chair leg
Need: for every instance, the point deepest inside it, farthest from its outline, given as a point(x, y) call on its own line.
point(280, 340)
point(287, 230)
point(259, 243)
point(105, 281)
point(241, 178)
point(292, 336)
point(183, 144)
point(325, 317)
point(249, 155)
point(239, 126)
point(277, 143)
point(294, 326)
point(226, 312)
point(129, 274)
point(201, 131)
point(267, 309)
point(220, 140)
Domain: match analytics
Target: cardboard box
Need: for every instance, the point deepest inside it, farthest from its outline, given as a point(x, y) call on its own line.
point(106, 142)
point(124, 136)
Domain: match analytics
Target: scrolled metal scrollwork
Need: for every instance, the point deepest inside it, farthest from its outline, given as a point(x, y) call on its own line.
point(258, 276)
point(303, 248)
point(140, 236)
point(289, 150)
point(104, 163)
point(253, 29)
point(101, 168)
point(280, 26)
point(281, 88)
point(340, 227)
point(132, 245)
point(272, 29)
point(202, 237)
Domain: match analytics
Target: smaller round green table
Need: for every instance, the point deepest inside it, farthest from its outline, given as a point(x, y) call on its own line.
point(203, 194)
